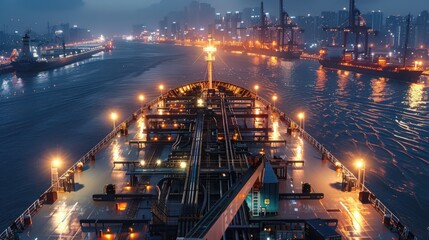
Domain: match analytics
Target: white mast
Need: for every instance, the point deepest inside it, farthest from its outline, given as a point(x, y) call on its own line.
point(210, 50)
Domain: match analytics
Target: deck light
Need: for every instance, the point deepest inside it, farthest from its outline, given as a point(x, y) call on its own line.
point(274, 100)
point(158, 162)
point(161, 87)
point(301, 117)
point(183, 165)
point(200, 102)
point(256, 87)
point(142, 163)
point(114, 116)
point(360, 164)
point(55, 164)
point(141, 98)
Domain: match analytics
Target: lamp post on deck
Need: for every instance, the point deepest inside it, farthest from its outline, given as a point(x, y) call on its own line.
point(161, 87)
point(256, 87)
point(301, 120)
point(360, 164)
point(141, 98)
point(55, 164)
point(274, 100)
point(114, 116)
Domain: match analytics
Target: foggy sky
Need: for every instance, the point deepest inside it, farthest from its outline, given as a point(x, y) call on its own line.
point(109, 16)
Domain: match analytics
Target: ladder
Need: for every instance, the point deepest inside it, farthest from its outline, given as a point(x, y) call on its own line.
point(255, 202)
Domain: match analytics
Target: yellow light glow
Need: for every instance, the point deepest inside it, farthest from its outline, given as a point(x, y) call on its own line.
point(158, 162)
point(301, 115)
point(113, 116)
point(142, 162)
point(256, 87)
point(210, 49)
point(161, 87)
point(200, 102)
point(122, 206)
point(182, 164)
point(56, 163)
point(360, 164)
point(275, 98)
point(141, 97)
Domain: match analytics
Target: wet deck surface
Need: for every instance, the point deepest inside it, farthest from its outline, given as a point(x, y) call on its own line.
point(355, 220)
point(61, 219)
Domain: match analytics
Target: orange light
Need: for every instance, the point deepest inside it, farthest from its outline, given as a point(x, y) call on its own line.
point(122, 206)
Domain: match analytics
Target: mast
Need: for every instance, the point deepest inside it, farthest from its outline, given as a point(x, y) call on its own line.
point(210, 50)
point(262, 18)
point(407, 33)
point(282, 25)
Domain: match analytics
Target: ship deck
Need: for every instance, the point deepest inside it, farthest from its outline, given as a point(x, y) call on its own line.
point(61, 220)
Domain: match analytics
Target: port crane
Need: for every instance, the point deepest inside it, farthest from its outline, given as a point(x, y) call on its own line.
point(357, 26)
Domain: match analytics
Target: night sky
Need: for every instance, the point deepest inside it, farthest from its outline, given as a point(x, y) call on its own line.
point(118, 15)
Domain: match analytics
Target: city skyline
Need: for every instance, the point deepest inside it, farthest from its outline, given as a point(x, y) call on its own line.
point(114, 17)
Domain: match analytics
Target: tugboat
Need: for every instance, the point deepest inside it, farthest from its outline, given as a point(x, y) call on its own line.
point(29, 61)
point(336, 57)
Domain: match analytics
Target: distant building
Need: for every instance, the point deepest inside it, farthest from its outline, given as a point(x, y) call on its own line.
point(139, 29)
point(79, 34)
point(374, 20)
point(343, 18)
point(422, 30)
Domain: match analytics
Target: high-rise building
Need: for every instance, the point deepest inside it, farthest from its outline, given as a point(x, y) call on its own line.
point(422, 30)
point(343, 18)
point(395, 30)
point(374, 20)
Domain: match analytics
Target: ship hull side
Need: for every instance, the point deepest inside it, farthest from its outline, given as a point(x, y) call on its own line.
point(43, 66)
point(405, 75)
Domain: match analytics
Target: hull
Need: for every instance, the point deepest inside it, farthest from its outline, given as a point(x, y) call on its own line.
point(6, 68)
point(36, 66)
point(284, 55)
point(401, 74)
point(287, 55)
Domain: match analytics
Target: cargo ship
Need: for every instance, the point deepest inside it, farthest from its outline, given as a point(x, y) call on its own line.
point(207, 160)
point(29, 61)
point(328, 59)
point(6, 68)
point(340, 58)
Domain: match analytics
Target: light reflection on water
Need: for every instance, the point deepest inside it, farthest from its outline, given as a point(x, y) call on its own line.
point(383, 121)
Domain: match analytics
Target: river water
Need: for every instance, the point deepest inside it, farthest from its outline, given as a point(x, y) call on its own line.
point(65, 112)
